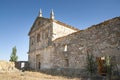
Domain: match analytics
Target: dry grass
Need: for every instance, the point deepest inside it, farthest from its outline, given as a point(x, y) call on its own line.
point(31, 76)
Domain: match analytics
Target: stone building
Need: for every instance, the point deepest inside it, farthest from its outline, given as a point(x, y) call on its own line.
point(54, 44)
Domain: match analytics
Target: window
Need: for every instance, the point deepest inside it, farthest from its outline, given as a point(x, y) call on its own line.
point(67, 62)
point(31, 42)
point(39, 65)
point(39, 23)
point(47, 35)
point(65, 48)
point(38, 37)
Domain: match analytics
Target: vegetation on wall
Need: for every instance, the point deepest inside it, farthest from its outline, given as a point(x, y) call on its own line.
point(109, 67)
point(91, 64)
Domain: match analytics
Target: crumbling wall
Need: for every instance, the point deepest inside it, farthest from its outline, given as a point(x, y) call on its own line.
point(7, 66)
point(101, 40)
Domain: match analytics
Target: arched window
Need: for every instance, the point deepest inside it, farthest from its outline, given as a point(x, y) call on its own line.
point(38, 37)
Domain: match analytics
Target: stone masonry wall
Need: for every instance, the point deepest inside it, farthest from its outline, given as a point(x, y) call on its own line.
point(101, 40)
point(40, 39)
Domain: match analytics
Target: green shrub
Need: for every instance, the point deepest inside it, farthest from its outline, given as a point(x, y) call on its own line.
point(91, 64)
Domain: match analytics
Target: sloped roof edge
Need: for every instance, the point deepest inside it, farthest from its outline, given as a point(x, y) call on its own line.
point(56, 21)
point(104, 22)
point(35, 21)
point(66, 25)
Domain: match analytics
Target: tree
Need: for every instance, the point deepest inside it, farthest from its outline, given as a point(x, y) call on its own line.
point(13, 56)
point(109, 67)
point(91, 64)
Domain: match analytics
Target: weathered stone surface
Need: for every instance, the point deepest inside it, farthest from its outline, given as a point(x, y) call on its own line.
point(101, 40)
point(41, 36)
point(7, 66)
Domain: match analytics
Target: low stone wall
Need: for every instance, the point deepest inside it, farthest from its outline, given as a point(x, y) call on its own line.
point(7, 66)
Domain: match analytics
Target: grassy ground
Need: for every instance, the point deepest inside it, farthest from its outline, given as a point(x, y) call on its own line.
point(31, 76)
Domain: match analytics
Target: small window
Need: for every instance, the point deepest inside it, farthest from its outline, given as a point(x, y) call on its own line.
point(65, 48)
point(67, 62)
point(32, 43)
point(39, 23)
point(46, 34)
point(38, 37)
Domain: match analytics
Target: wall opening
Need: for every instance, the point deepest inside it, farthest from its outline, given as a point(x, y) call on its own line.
point(66, 63)
point(39, 65)
point(65, 48)
point(38, 37)
point(101, 65)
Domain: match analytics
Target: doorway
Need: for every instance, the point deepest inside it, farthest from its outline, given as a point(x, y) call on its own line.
point(101, 66)
point(38, 63)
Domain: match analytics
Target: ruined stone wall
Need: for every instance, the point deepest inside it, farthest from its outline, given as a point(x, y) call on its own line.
point(7, 66)
point(101, 40)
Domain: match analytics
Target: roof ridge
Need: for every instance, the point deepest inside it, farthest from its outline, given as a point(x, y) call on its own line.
point(69, 26)
point(106, 21)
point(103, 22)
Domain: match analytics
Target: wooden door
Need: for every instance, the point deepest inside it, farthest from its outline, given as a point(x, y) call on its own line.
point(101, 66)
